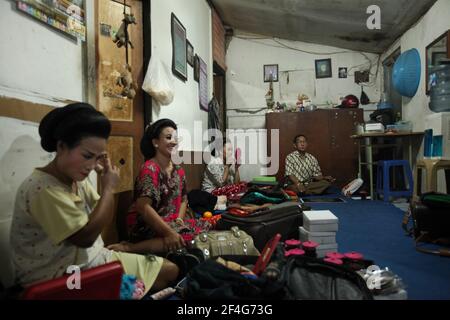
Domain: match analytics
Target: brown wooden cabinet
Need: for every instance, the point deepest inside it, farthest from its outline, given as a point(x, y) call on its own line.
point(328, 132)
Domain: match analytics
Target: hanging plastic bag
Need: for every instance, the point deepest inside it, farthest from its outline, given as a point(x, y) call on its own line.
point(158, 82)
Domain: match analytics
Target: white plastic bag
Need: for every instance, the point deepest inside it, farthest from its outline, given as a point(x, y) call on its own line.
point(158, 82)
point(352, 187)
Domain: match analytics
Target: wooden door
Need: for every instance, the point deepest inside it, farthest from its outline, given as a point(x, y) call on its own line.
point(343, 149)
point(126, 115)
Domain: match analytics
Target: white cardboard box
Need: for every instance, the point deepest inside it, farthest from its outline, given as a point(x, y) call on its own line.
point(322, 250)
point(319, 237)
point(320, 221)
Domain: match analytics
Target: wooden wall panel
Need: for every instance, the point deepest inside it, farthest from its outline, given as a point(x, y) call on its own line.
point(23, 110)
point(111, 63)
point(328, 133)
point(312, 124)
point(120, 151)
point(127, 116)
point(194, 172)
point(344, 151)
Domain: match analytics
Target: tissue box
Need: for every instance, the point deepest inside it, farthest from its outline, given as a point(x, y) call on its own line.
point(374, 127)
point(320, 221)
point(318, 237)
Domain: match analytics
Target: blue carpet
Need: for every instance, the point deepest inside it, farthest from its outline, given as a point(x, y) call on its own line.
point(373, 228)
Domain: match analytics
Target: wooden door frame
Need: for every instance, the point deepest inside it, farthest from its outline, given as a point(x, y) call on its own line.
point(147, 29)
point(221, 73)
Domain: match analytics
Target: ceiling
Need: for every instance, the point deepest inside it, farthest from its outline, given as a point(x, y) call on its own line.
point(339, 23)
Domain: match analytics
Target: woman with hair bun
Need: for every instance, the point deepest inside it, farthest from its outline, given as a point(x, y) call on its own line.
point(58, 216)
point(157, 218)
point(222, 170)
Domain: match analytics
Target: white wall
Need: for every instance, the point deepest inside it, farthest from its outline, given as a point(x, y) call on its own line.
point(431, 26)
point(195, 15)
point(246, 88)
point(37, 63)
point(20, 152)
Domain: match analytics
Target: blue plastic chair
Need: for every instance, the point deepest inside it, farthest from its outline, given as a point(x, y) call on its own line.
point(384, 181)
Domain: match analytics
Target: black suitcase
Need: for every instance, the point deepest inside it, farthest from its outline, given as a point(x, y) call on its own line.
point(435, 221)
point(284, 218)
point(430, 225)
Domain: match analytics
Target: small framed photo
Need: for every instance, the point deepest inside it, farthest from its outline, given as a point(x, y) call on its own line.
point(342, 73)
point(105, 30)
point(189, 53)
point(323, 69)
point(270, 72)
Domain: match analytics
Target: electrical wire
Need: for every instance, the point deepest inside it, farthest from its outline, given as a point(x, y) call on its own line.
point(255, 111)
point(310, 52)
point(369, 64)
point(283, 45)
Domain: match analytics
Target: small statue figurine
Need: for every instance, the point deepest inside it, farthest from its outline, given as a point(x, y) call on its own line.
point(301, 102)
point(120, 39)
point(126, 82)
point(269, 97)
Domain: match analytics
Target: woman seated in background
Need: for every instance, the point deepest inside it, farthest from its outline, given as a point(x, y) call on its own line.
point(58, 216)
point(158, 215)
point(222, 170)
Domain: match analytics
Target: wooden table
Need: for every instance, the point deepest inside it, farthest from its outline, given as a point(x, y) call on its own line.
point(365, 142)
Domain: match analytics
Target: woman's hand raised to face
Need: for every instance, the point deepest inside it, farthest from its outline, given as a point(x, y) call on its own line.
point(110, 175)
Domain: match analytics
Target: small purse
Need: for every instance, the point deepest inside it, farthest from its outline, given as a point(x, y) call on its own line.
point(221, 243)
point(185, 259)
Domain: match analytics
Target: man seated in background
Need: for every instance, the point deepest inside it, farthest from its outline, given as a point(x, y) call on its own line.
point(304, 171)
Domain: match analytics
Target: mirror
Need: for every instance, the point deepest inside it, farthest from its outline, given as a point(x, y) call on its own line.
point(438, 50)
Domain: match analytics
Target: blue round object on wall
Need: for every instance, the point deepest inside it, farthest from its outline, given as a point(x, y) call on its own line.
point(407, 71)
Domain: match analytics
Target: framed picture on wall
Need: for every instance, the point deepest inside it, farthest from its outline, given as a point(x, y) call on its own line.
point(179, 41)
point(270, 72)
point(323, 68)
point(196, 68)
point(436, 52)
point(342, 73)
point(66, 16)
point(203, 85)
point(190, 53)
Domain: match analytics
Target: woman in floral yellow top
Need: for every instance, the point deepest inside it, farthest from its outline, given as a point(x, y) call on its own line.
point(58, 216)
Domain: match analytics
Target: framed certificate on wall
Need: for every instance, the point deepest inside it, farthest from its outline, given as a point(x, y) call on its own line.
point(179, 65)
point(203, 85)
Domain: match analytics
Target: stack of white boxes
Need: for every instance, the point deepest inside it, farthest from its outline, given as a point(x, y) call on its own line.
point(320, 226)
